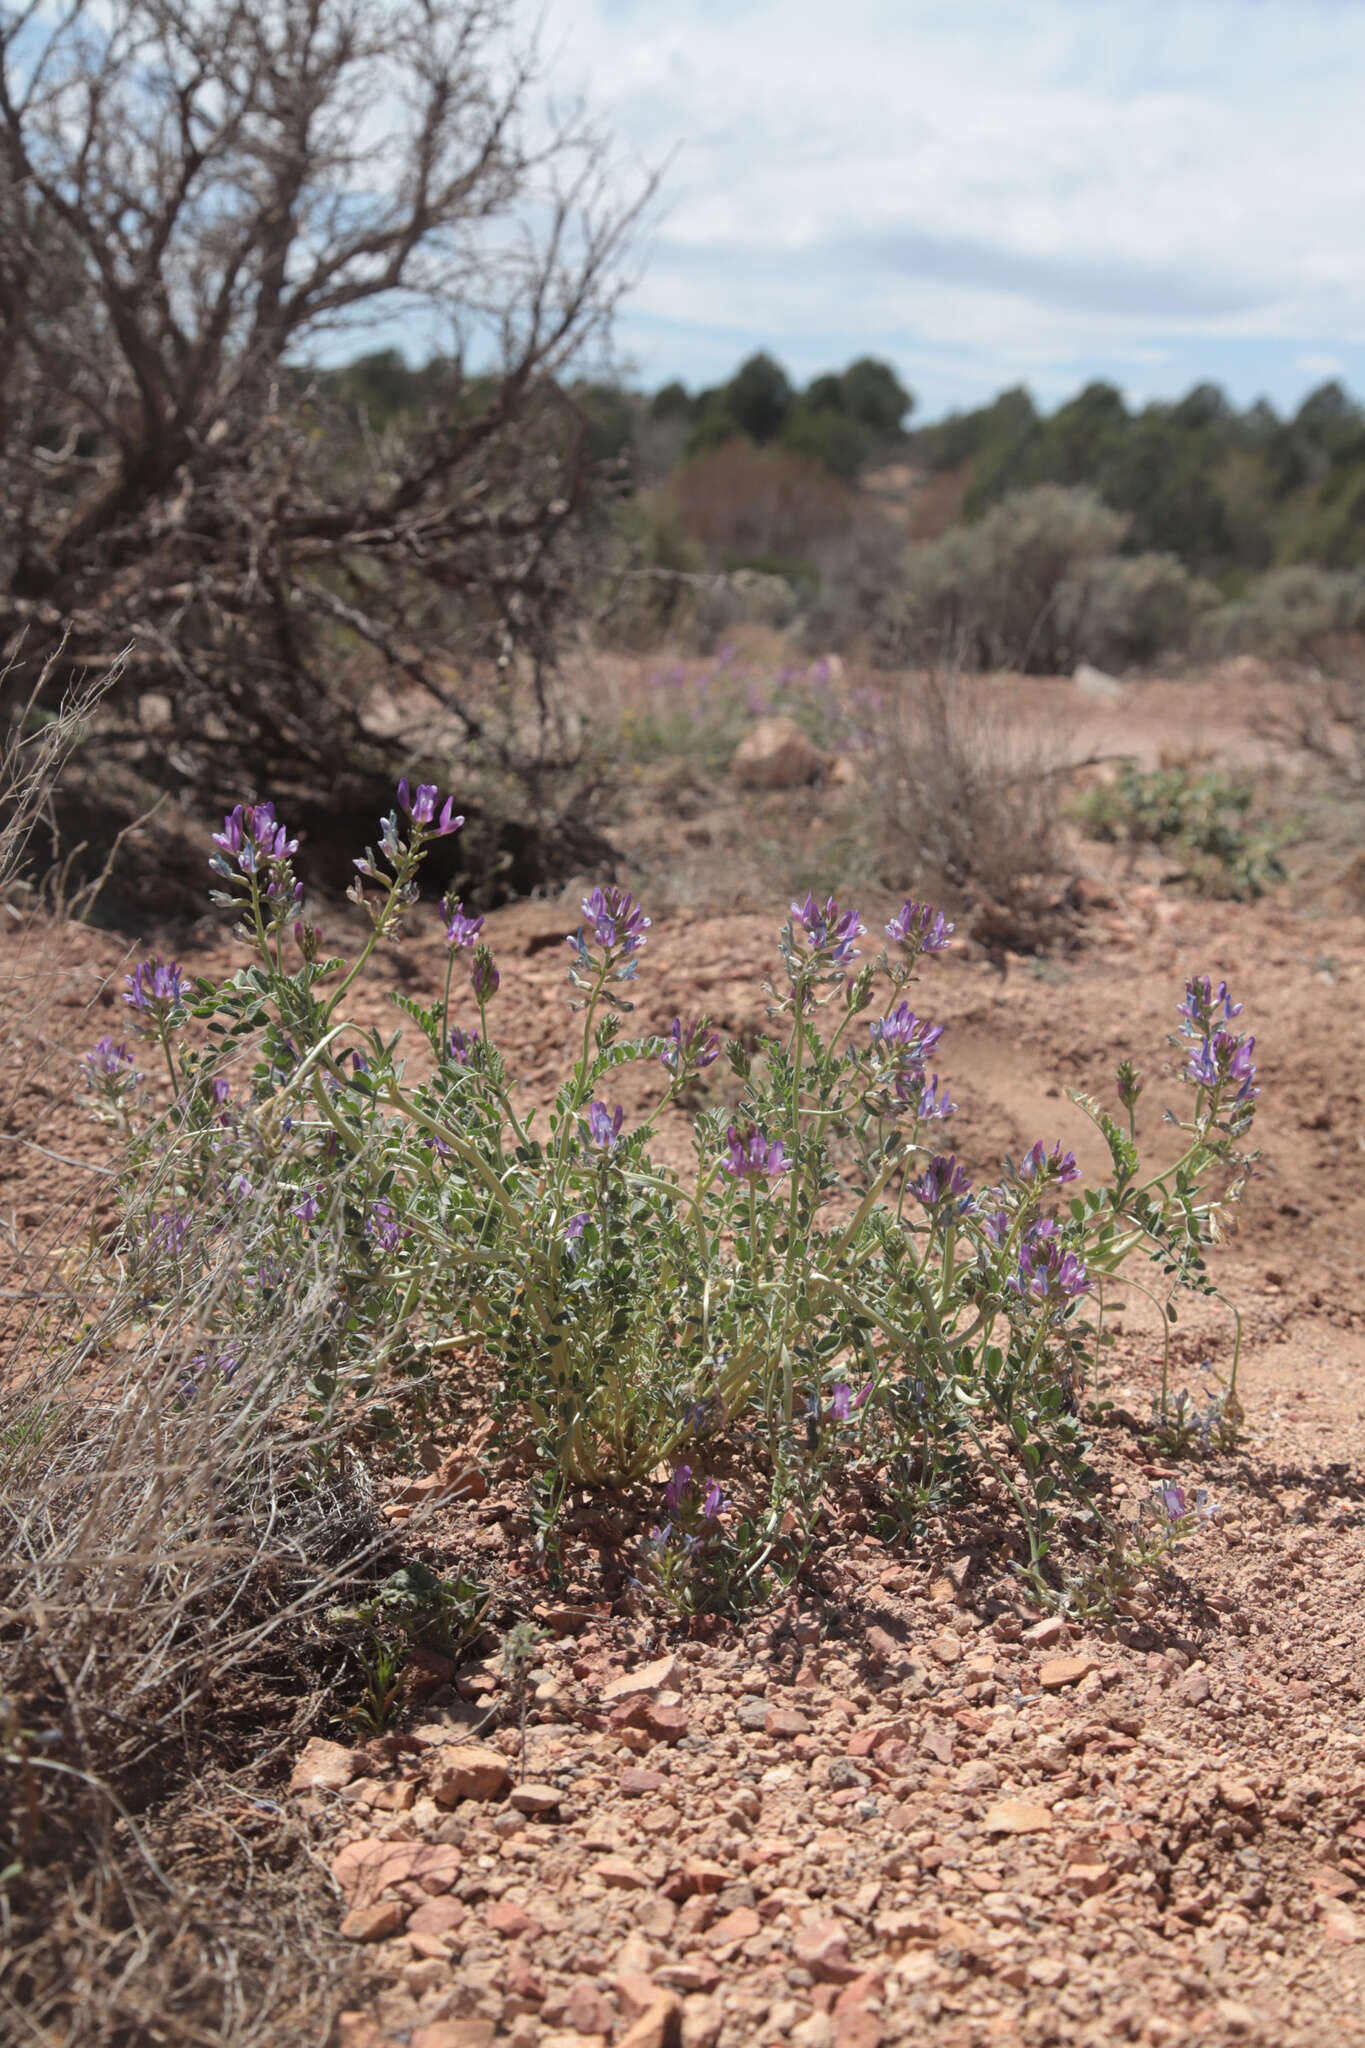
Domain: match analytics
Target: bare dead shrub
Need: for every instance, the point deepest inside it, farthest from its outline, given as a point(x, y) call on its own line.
point(193, 203)
point(741, 503)
point(966, 801)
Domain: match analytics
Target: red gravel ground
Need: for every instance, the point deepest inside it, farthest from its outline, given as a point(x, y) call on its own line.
point(905, 1807)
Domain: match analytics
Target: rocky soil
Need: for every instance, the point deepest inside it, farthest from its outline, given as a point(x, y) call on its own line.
point(907, 1805)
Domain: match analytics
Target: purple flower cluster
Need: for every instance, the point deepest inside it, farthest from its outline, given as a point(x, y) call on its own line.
point(1218, 1058)
point(752, 1157)
point(1176, 1502)
point(420, 805)
point(943, 1181)
point(689, 1047)
point(933, 1101)
point(920, 929)
point(382, 1225)
point(155, 989)
point(484, 978)
point(906, 1032)
point(251, 840)
point(1048, 1273)
point(109, 1066)
point(460, 930)
point(1041, 1166)
point(829, 932)
point(575, 1227)
point(616, 921)
point(604, 1126)
point(463, 1046)
point(308, 1210)
point(682, 1491)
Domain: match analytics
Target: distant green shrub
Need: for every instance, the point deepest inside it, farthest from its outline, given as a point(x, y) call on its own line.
point(1288, 612)
point(1128, 609)
point(1210, 823)
point(1007, 591)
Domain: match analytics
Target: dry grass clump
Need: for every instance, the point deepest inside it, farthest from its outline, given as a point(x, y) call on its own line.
point(171, 1538)
point(968, 802)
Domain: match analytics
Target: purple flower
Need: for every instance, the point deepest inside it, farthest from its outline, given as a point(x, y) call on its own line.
point(484, 978)
point(942, 1180)
point(1047, 1272)
point(829, 930)
point(713, 1501)
point(921, 928)
point(383, 1227)
point(462, 1046)
point(752, 1157)
point(155, 988)
point(678, 1488)
point(617, 921)
point(1041, 1165)
point(460, 930)
point(997, 1227)
point(575, 1227)
point(690, 1046)
point(903, 1029)
point(168, 1233)
point(843, 1401)
point(106, 1061)
point(222, 1089)
point(421, 808)
point(1223, 1058)
point(604, 1126)
point(251, 840)
point(933, 1101)
point(1202, 1004)
point(308, 1210)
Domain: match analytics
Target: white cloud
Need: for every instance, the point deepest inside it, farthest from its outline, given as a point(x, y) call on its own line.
point(1003, 189)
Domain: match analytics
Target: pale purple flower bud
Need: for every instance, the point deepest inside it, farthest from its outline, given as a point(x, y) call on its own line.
point(752, 1157)
point(484, 978)
point(604, 1127)
point(677, 1489)
point(690, 1046)
point(713, 1501)
point(460, 930)
point(942, 1180)
point(575, 1227)
point(920, 928)
point(828, 930)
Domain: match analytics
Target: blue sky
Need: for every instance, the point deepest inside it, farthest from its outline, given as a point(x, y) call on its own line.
point(989, 192)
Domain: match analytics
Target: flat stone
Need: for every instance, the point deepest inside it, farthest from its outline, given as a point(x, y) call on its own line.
point(646, 1678)
point(506, 1918)
point(534, 1799)
point(822, 1948)
point(621, 1874)
point(786, 1721)
point(373, 1923)
point(465, 1771)
point(635, 1783)
point(665, 1723)
point(365, 1868)
point(947, 1648)
point(325, 1766)
point(1047, 1633)
point(740, 1925)
point(1058, 1672)
point(1016, 1817)
point(439, 1917)
point(467, 2033)
point(752, 1715)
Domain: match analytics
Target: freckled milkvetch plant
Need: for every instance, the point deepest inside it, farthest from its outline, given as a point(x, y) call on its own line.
point(823, 1290)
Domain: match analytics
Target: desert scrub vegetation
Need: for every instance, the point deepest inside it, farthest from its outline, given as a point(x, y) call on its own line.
point(1216, 828)
point(822, 1299)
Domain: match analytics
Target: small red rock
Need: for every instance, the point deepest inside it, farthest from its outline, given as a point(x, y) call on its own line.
point(636, 1783)
point(373, 1923)
point(621, 1874)
point(822, 1948)
point(787, 1721)
point(324, 1767)
point(741, 1925)
point(510, 1920)
point(1062, 1671)
point(666, 1724)
point(947, 1648)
